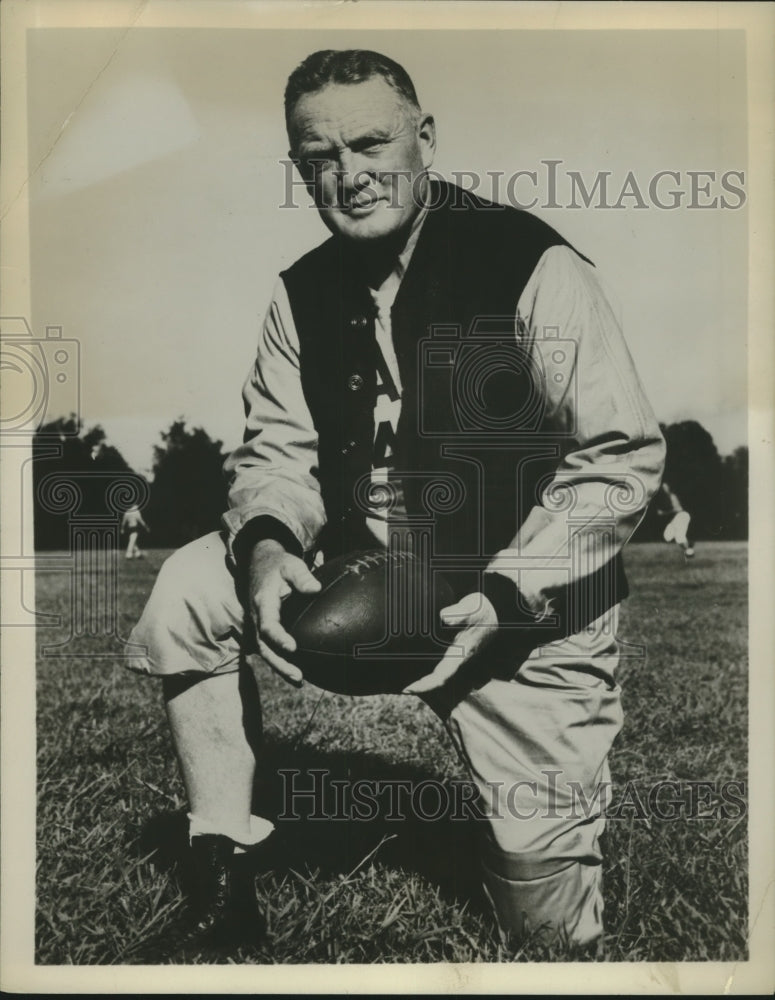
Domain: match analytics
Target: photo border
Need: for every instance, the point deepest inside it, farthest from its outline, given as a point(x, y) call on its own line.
point(17, 832)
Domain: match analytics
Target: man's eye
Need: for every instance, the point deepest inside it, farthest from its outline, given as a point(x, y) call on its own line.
point(314, 164)
point(373, 147)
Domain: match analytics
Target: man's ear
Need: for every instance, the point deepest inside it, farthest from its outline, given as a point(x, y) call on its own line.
point(426, 134)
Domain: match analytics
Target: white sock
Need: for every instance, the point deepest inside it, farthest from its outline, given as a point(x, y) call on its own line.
point(260, 829)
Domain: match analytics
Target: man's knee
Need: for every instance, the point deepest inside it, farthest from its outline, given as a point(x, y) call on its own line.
point(561, 905)
point(542, 863)
point(193, 620)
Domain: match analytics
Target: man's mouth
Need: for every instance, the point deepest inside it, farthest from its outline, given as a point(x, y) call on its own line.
point(361, 206)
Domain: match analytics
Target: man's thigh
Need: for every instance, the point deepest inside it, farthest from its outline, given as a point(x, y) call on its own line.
point(537, 748)
point(194, 621)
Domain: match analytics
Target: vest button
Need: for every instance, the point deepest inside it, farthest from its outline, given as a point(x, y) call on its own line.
point(354, 383)
point(348, 447)
point(359, 322)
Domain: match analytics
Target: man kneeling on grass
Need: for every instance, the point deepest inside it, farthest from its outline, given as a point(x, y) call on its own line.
point(555, 469)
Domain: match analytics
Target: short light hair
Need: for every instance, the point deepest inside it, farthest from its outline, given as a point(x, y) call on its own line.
point(345, 66)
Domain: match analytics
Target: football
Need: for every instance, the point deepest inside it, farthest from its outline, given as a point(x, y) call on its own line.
point(374, 626)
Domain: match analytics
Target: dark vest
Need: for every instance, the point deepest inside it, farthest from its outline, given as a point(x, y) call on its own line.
point(471, 440)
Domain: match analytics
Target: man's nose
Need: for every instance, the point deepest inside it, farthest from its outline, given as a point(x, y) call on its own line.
point(355, 170)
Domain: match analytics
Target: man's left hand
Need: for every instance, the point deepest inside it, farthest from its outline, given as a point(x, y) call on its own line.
point(479, 622)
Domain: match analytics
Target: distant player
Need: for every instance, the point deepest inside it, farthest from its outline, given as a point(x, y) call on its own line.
point(132, 524)
point(677, 528)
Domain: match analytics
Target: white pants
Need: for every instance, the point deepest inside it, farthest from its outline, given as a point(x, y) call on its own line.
point(677, 529)
point(535, 743)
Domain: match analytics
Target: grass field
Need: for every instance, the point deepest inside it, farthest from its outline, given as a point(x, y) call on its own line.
point(111, 812)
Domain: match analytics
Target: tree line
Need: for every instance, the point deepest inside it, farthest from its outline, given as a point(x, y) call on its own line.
point(188, 492)
point(187, 489)
point(712, 488)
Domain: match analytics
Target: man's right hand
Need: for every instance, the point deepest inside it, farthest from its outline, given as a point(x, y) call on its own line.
point(274, 573)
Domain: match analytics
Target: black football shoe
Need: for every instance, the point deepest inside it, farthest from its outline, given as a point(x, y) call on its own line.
point(223, 914)
point(226, 911)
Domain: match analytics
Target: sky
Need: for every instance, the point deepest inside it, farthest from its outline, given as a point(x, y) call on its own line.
point(157, 180)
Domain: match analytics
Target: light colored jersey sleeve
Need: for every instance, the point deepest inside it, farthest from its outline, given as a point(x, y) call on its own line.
point(274, 472)
point(615, 453)
point(666, 502)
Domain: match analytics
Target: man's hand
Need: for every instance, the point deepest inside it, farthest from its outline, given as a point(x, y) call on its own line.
point(480, 624)
point(273, 574)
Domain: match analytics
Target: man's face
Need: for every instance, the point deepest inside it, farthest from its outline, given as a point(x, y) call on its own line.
point(362, 151)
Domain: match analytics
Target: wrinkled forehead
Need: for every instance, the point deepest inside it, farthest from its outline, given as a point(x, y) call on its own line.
point(344, 109)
